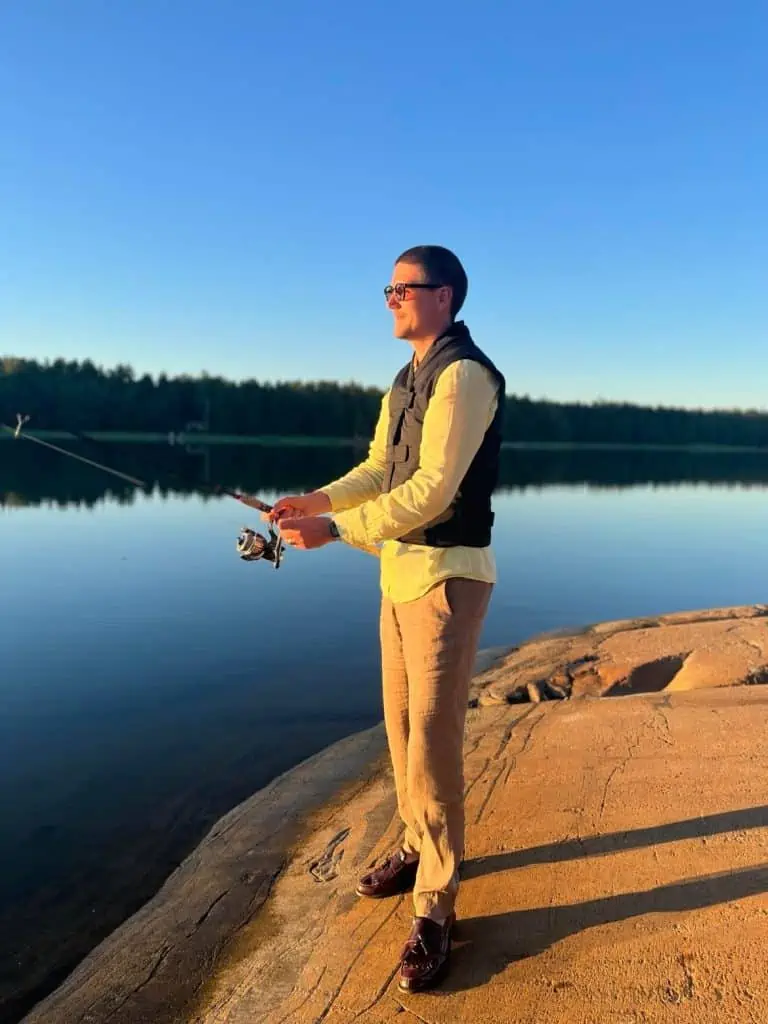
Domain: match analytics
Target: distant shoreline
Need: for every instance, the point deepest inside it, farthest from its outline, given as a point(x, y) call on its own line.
point(307, 441)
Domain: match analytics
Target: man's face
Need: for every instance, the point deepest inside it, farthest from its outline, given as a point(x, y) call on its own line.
point(417, 312)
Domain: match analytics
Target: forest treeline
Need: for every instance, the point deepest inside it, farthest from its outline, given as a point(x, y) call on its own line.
point(80, 396)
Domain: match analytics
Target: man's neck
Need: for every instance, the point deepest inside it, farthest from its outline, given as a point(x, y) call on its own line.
point(421, 346)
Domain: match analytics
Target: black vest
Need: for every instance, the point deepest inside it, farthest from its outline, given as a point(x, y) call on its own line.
point(468, 519)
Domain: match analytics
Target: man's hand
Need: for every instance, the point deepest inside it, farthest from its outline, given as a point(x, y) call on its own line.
point(308, 532)
point(297, 506)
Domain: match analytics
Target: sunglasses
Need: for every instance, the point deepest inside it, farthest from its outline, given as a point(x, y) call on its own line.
point(400, 289)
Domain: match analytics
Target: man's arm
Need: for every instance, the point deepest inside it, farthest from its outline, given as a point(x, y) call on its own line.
point(457, 417)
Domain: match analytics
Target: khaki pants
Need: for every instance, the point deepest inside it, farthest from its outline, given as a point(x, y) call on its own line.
point(428, 649)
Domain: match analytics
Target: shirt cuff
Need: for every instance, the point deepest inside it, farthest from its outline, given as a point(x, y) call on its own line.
point(334, 494)
point(349, 535)
point(350, 528)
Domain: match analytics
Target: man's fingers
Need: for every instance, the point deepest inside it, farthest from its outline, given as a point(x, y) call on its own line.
point(274, 516)
point(293, 531)
point(293, 541)
point(282, 512)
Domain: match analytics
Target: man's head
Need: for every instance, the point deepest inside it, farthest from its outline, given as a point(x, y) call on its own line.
point(427, 290)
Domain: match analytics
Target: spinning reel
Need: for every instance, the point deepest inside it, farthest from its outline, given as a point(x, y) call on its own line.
point(252, 546)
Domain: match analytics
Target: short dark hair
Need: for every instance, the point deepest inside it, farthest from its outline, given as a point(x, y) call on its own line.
point(441, 266)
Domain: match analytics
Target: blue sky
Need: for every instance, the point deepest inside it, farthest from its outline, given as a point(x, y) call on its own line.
point(224, 186)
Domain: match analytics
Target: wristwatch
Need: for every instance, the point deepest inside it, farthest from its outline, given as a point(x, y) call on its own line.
point(333, 529)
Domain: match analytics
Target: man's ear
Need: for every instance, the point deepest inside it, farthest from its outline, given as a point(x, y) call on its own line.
point(445, 296)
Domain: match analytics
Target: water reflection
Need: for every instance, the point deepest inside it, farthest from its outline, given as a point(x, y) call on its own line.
point(150, 679)
point(32, 475)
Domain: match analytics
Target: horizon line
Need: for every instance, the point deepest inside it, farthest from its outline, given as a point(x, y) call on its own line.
point(203, 375)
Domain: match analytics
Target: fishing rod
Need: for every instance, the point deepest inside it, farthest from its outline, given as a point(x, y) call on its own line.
point(251, 546)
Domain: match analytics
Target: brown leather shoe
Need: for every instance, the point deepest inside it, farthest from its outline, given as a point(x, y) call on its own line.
point(424, 960)
point(394, 876)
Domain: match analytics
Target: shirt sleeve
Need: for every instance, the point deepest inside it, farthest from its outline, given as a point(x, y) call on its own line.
point(364, 481)
point(459, 413)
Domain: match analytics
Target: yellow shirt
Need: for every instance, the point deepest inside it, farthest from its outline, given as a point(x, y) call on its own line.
point(459, 413)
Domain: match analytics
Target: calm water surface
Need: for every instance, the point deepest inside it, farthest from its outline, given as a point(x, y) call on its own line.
point(150, 679)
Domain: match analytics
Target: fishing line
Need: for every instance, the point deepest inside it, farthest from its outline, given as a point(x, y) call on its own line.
point(251, 546)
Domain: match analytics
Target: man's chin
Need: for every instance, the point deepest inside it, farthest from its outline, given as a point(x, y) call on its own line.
point(400, 331)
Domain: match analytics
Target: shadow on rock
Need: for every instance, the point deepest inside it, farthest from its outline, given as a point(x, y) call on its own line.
point(614, 842)
point(485, 946)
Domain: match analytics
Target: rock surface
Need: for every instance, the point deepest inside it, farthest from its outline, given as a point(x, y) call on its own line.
point(616, 869)
point(684, 651)
point(152, 968)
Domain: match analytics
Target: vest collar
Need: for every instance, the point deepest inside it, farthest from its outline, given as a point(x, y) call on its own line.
point(457, 331)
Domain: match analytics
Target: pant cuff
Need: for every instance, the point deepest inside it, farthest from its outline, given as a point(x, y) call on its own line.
point(435, 909)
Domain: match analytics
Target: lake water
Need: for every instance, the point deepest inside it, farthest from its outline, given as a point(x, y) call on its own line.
point(150, 679)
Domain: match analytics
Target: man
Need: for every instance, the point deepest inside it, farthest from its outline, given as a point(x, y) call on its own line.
point(422, 498)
